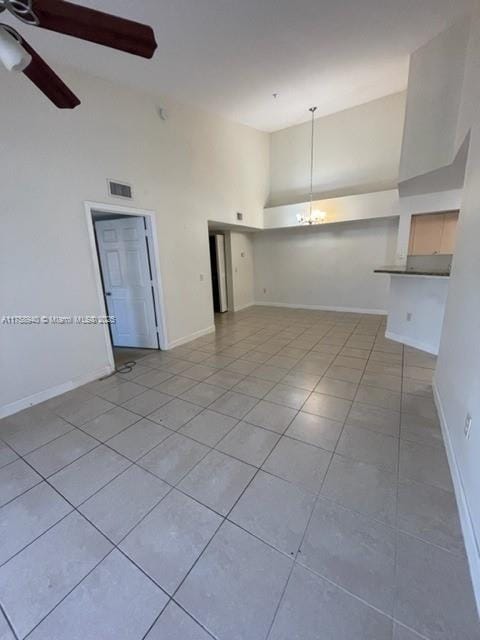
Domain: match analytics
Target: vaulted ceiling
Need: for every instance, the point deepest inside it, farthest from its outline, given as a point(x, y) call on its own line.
point(230, 56)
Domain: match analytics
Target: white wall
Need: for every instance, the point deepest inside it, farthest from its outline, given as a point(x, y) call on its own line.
point(52, 161)
point(424, 298)
point(457, 378)
point(241, 245)
point(470, 94)
point(363, 206)
point(327, 266)
point(356, 151)
point(433, 103)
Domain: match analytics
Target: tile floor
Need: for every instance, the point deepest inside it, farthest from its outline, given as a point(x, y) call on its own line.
point(284, 478)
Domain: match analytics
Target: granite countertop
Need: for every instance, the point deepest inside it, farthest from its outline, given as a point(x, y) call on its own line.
point(402, 270)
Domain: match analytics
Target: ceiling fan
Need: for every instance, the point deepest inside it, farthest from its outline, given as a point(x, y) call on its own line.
point(73, 20)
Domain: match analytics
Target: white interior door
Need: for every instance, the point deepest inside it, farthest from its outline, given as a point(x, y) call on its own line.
point(221, 272)
point(122, 247)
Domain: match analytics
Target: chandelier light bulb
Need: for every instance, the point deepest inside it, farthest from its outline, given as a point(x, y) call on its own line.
point(319, 216)
point(315, 217)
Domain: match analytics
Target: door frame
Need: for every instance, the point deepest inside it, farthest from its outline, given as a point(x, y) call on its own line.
point(228, 266)
point(159, 302)
point(222, 282)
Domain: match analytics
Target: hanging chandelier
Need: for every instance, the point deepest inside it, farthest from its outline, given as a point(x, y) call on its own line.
point(312, 216)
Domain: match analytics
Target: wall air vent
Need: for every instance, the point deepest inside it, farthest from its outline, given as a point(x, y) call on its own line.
point(120, 189)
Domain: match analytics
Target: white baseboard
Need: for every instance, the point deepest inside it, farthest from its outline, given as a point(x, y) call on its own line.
point(472, 545)
point(244, 306)
point(46, 394)
point(318, 307)
point(192, 336)
point(410, 342)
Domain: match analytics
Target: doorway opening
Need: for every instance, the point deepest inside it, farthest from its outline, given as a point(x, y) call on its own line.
point(126, 259)
point(218, 271)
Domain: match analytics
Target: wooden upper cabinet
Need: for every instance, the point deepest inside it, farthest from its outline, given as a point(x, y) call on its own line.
point(449, 234)
point(433, 233)
point(426, 234)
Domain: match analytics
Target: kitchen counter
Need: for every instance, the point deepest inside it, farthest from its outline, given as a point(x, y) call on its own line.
point(416, 304)
point(401, 270)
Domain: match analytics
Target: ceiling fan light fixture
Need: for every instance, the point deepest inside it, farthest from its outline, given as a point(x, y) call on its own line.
point(12, 55)
point(70, 19)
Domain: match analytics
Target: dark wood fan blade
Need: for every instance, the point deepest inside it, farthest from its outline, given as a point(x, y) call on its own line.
point(45, 79)
point(95, 26)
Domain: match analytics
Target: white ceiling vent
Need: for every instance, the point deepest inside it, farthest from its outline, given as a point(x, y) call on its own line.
point(120, 189)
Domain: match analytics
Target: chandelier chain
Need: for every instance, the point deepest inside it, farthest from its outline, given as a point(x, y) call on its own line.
point(313, 217)
point(312, 145)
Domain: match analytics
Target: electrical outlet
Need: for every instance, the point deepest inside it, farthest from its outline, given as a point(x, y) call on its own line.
point(409, 317)
point(264, 291)
point(202, 277)
point(468, 426)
